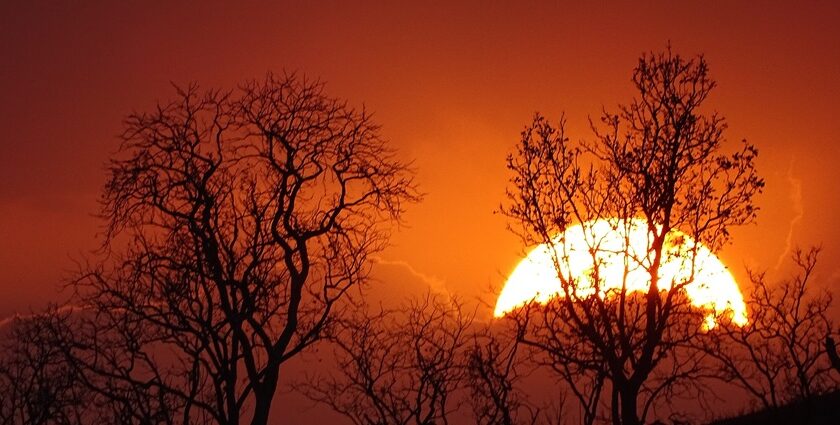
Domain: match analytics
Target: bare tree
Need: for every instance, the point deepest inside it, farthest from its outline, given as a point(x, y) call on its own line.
point(582, 373)
point(398, 367)
point(37, 385)
point(778, 357)
point(495, 366)
point(658, 162)
point(236, 223)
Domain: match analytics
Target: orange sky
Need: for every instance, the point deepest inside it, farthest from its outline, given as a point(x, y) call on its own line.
point(452, 87)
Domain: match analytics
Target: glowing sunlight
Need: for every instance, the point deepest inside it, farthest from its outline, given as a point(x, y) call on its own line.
point(615, 243)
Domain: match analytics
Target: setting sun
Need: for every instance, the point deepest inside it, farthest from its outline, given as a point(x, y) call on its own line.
point(535, 278)
point(300, 212)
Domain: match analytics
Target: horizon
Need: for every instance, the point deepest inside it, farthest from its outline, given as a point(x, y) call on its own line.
point(451, 86)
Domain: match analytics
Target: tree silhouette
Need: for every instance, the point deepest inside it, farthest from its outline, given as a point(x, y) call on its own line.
point(397, 367)
point(778, 356)
point(237, 222)
point(495, 365)
point(831, 351)
point(585, 381)
point(658, 160)
point(37, 385)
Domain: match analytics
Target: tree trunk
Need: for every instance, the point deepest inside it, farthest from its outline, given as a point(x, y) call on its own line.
point(264, 396)
point(831, 350)
point(629, 396)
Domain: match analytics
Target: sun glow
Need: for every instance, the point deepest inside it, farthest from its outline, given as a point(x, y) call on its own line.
point(618, 246)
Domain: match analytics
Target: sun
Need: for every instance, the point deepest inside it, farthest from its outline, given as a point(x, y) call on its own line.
point(620, 245)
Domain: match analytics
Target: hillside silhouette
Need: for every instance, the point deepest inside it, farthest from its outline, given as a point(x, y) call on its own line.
point(822, 409)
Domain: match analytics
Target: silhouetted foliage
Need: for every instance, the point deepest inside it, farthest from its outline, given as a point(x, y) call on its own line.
point(397, 367)
point(658, 160)
point(236, 223)
point(778, 357)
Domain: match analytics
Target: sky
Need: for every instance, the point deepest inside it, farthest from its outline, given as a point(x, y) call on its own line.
point(452, 86)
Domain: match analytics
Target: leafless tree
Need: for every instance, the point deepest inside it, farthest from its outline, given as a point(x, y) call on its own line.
point(496, 366)
point(37, 385)
point(398, 367)
point(660, 161)
point(580, 373)
point(236, 224)
point(778, 357)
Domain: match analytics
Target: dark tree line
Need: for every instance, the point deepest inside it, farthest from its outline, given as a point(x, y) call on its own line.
point(779, 356)
point(397, 367)
point(429, 362)
point(239, 228)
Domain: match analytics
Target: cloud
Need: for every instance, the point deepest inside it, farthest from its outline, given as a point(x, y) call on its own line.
point(395, 281)
point(798, 213)
point(67, 308)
